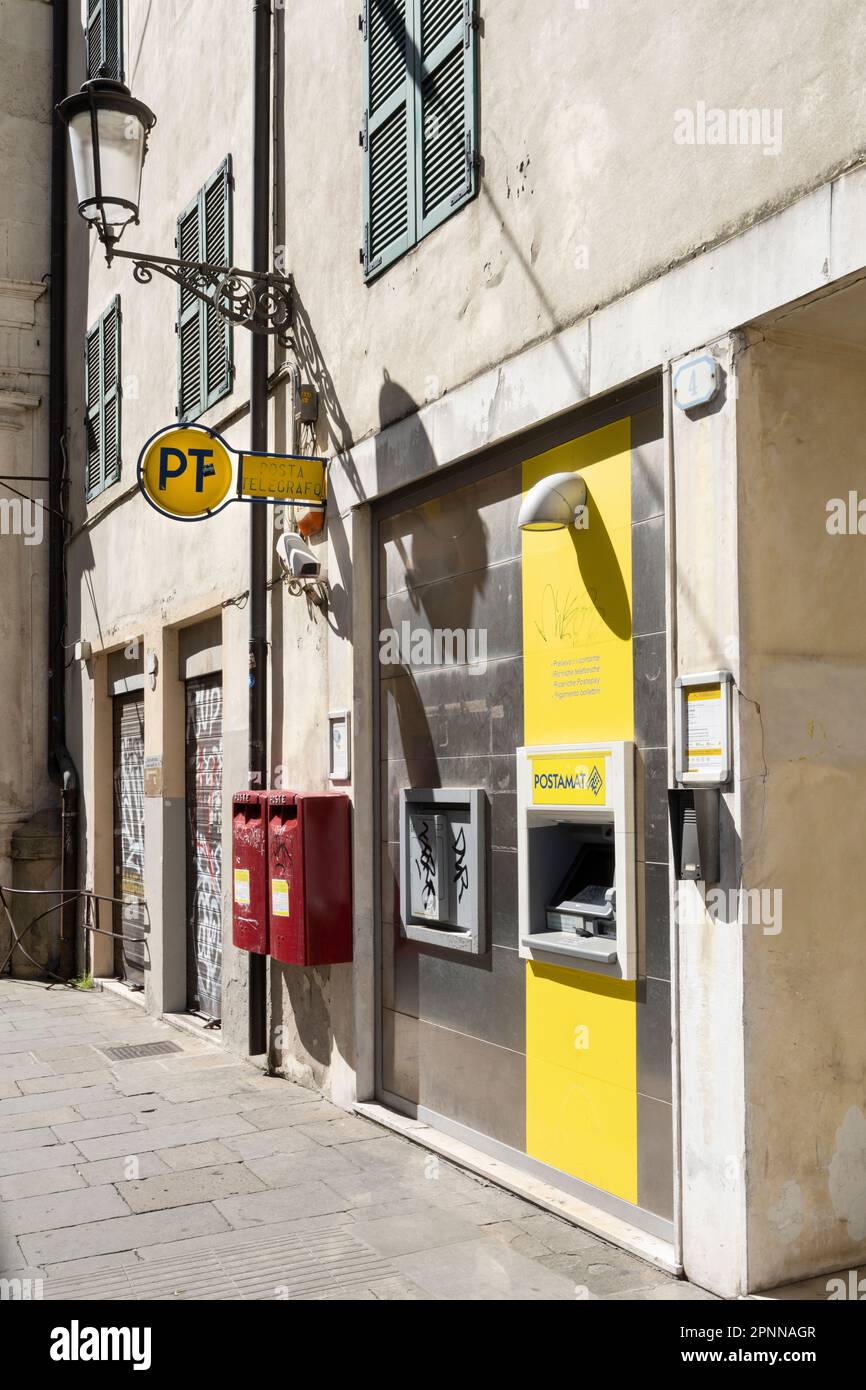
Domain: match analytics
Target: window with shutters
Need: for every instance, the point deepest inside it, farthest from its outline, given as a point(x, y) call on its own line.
point(420, 131)
point(204, 233)
point(104, 38)
point(103, 397)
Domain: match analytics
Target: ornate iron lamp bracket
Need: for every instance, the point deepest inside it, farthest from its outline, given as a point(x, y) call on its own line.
point(257, 300)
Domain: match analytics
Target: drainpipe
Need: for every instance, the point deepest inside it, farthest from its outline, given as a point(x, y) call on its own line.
point(60, 765)
point(259, 528)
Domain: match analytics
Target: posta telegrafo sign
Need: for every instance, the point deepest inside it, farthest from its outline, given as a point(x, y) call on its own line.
point(189, 473)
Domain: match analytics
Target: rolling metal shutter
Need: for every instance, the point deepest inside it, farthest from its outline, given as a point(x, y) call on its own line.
point(204, 776)
point(130, 919)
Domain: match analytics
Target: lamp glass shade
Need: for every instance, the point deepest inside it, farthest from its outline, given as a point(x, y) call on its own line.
point(119, 150)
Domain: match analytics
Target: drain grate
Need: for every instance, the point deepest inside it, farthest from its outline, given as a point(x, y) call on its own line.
point(130, 1052)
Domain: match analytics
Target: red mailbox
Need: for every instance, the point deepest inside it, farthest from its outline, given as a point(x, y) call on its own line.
point(250, 871)
point(309, 878)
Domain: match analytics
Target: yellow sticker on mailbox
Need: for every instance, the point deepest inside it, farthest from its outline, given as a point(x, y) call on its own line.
point(242, 887)
point(279, 897)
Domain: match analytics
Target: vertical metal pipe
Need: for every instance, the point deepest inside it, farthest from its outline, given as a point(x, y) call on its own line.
point(60, 765)
point(259, 530)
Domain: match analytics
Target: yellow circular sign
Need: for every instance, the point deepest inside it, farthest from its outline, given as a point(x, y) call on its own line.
point(186, 472)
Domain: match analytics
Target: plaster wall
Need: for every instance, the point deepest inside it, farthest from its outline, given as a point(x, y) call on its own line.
point(803, 776)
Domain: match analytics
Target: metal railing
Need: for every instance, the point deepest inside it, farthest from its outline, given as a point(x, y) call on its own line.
point(91, 919)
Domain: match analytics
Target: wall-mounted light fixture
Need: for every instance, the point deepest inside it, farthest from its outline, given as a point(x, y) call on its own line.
point(108, 135)
point(554, 503)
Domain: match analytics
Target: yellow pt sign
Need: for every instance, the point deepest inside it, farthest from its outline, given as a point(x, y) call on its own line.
point(185, 472)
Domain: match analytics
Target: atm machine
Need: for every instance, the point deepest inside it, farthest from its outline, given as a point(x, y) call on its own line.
point(576, 856)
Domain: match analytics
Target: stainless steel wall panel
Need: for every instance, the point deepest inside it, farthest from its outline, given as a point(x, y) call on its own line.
point(654, 1039)
point(460, 531)
point(650, 691)
point(453, 711)
point(484, 601)
point(470, 1081)
point(655, 1156)
point(483, 997)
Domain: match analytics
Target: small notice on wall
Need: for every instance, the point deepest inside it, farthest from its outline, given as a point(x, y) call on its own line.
point(242, 887)
point(703, 728)
point(704, 713)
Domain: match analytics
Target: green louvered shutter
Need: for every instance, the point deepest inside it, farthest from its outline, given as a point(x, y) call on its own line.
point(217, 229)
point(105, 39)
point(93, 417)
point(189, 324)
point(445, 109)
point(103, 401)
point(204, 233)
point(111, 394)
point(388, 133)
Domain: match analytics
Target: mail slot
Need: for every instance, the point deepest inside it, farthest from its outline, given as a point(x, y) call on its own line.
point(250, 872)
point(309, 878)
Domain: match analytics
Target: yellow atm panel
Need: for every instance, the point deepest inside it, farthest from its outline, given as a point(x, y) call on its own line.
point(581, 1015)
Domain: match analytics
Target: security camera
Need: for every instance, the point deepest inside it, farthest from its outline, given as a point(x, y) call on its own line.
point(296, 557)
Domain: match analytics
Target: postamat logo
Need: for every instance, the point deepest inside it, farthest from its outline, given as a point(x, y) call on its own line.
point(563, 780)
point(189, 473)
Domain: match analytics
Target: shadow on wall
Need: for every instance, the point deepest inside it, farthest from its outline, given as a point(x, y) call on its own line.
point(309, 992)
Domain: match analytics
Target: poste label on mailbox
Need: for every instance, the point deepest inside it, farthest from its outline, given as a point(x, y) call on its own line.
point(189, 473)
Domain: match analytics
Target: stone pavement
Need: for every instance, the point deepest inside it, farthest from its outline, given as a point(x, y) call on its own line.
point(192, 1175)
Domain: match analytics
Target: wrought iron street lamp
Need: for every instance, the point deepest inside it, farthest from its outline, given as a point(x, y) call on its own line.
point(108, 134)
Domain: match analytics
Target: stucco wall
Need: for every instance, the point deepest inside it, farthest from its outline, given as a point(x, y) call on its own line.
point(803, 769)
point(584, 191)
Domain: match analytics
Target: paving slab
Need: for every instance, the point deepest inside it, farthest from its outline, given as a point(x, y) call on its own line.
point(480, 1270)
point(51, 1213)
point(346, 1130)
point(186, 1188)
point(128, 1168)
point(166, 1137)
point(281, 1204)
point(91, 1085)
point(289, 1169)
point(39, 1184)
point(122, 1233)
point(264, 1142)
point(49, 1088)
point(204, 1155)
point(404, 1234)
point(282, 1115)
point(36, 1119)
point(49, 1155)
point(97, 1129)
